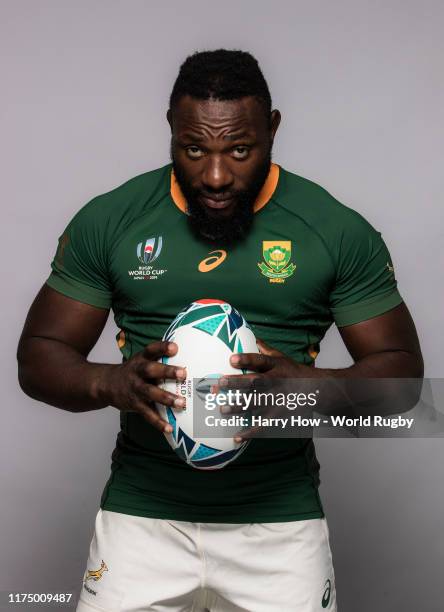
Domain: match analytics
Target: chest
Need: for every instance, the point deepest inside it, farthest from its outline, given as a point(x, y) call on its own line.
point(281, 271)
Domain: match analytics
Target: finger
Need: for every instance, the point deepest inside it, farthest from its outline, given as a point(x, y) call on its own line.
point(252, 361)
point(159, 349)
point(159, 371)
point(266, 349)
point(153, 393)
point(232, 409)
point(236, 381)
point(256, 408)
point(246, 434)
point(153, 417)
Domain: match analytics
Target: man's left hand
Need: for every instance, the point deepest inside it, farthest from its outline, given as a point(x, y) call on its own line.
point(265, 368)
point(268, 363)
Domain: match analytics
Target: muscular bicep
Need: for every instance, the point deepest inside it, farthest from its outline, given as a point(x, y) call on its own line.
point(56, 317)
point(392, 331)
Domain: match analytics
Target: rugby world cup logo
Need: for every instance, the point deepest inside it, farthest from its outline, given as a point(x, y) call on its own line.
point(149, 251)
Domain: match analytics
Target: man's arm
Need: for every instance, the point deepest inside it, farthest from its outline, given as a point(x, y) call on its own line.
point(384, 347)
point(58, 335)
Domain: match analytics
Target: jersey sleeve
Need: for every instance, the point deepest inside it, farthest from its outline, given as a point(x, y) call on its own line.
point(365, 284)
point(80, 268)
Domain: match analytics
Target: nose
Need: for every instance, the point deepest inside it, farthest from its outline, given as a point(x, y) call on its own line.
point(216, 175)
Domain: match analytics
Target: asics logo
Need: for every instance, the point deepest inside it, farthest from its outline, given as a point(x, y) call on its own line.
point(327, 593)
point(215, 259)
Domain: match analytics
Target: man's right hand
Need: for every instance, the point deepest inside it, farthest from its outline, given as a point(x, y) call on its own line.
point(133, 385)
point(52, 356)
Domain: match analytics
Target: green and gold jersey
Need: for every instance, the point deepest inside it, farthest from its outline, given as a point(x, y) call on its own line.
point(307, 262)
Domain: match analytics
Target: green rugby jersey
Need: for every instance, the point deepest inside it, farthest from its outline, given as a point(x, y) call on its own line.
point(307, 262)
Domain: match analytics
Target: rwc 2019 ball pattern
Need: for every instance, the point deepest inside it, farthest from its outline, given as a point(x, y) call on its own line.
point(207, 332)
point(214, 317)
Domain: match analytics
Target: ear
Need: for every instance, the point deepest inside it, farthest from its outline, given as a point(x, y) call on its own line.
point(169, 117)
point(275, 120)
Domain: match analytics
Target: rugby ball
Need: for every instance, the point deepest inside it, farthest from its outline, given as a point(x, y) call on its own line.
point(207, 332)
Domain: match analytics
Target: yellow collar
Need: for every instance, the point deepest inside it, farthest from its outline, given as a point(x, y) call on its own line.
point(268, 188)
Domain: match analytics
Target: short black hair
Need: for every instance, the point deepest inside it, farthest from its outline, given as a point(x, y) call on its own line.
point(223, 75)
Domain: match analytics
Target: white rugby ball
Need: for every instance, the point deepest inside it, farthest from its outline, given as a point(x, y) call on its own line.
point(207, 332)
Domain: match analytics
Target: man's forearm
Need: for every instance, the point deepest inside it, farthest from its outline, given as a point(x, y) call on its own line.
point(394, 384)
point(55, 373)
point(387, 364)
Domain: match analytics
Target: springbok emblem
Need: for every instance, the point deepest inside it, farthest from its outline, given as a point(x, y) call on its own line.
point(96, 574)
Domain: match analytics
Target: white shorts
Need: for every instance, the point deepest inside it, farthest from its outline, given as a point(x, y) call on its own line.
point(139, 564)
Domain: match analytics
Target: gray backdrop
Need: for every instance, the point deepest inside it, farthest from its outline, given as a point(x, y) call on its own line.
point(85, 88)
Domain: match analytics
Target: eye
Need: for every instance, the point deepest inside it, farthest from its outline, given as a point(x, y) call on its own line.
point(194, 152)
point(241, 152)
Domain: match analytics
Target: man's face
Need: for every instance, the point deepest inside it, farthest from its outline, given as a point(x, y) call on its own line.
point(221, 154)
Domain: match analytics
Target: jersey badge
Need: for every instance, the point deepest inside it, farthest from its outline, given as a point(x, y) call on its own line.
point(147, 252)
point(276, 265)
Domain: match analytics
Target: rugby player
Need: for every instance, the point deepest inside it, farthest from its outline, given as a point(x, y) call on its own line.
point(253, 535)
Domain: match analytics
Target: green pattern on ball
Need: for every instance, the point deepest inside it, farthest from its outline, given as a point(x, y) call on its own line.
point(210, 325)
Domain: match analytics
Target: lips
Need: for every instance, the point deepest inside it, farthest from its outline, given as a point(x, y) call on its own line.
point(216, 204)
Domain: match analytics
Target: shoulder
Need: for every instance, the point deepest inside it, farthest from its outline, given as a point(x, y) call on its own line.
point(316, 206)
point(337, 225)
point(125, 202)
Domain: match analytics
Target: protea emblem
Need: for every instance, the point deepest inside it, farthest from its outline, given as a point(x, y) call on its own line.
point(150, 250)
point(276, 265)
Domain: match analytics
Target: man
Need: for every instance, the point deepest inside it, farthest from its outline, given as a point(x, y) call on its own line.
point(251, 536)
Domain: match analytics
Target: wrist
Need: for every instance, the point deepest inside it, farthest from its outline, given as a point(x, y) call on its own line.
point(101, 385)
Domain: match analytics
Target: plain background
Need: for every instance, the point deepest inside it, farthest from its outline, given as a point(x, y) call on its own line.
point(85, 86)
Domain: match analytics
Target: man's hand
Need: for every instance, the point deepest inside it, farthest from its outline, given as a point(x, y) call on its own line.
point(133, 385)
point(52, 356)
point(268, 363)
point(384, 348)
point(266, 367)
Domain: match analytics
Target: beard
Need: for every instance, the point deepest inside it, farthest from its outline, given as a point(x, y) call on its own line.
point(213, 228)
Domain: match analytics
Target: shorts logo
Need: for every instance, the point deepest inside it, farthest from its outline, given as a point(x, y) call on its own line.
point(276, 265)
point(327, 593)
point(94, 575)
point(151, 251)
point(215, 259)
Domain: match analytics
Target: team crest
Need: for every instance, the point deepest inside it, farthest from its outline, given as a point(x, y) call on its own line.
point(150, 251)
point(276, 265)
